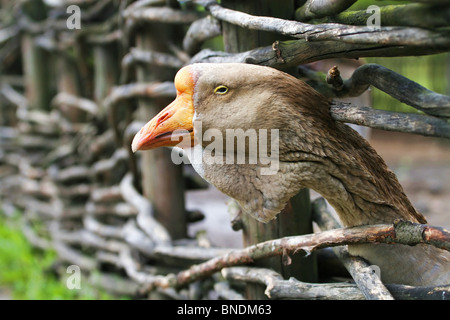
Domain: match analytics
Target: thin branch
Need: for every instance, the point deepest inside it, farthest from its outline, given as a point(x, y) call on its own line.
point(367, 281)
point(111, 164)
point(145, 219)
point(138, 5)
point(66, 99)
point(278, 288)
point(397, 86)
point(133, 90)
point(392, 36)
point(200, 31)
point(137, 55)
point(8, 33)
point(161, 14)
point(410, 15)
point(225, 292)
point(312, 242)
point(91, 224)
point(106, 194)
point(297, 52)
point(314, 9)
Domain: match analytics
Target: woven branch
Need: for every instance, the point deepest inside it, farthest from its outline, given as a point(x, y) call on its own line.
point(389, 81)
point(318, 9)
point(278, 288)
point(297, 52)
point(403, 232)
point(392, 36)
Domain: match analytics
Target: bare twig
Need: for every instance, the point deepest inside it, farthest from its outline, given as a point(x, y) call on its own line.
point(137, 55)
point(411, 15)
point(389, 81)
point(162, 14)
point(312, 242)
point(145, 219)
point(198, 32)
point(322, 8)
point(225, 292)
point(66, 99)
point(278, 288)
point(299, 52)
point(134, 90)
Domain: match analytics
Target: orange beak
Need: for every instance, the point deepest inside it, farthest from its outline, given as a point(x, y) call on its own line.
point(174, 123)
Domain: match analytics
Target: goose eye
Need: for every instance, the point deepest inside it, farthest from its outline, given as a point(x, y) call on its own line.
point(221, 90)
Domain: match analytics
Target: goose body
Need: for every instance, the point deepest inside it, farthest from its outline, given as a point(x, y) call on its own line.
point(312, 151)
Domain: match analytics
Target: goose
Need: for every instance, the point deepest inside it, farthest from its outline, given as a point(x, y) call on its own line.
point(219, 103)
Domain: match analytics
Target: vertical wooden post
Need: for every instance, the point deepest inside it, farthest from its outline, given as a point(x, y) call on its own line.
point(106, 71)
point(37, 73)
point(163, 182)
point(68, 82)
point(295, 219)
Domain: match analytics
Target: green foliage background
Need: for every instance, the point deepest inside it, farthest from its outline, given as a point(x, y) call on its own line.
point(27, 272)
point(432, 72)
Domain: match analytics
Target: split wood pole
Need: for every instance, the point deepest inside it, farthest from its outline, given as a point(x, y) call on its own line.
point(162, 182)
point(295, 219)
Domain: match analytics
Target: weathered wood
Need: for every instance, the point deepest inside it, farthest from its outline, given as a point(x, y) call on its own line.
point(162, 180)
point(389, 81)
point(137, 56)
point(410, 15)
point(37, 76)
point(318, 9)
point(145, 218)
point(393, 36)
point(133, 90)
point(74, 101)
point(297, 52)
point(200, 31)
point(278, 288)
point(383, 233)
point(367, 281)
point(391, 121)
point(162, 14)
point(294, 219)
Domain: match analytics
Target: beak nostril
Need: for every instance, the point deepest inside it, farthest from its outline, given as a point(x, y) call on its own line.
point(162, 119)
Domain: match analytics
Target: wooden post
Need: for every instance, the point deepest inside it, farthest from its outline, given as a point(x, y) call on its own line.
point(69, 82)
point(163, 182)
point(295, 219)
point(37, 73)
point(106, 71)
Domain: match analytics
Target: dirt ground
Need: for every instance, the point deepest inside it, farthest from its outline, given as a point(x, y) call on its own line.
point(422, 165)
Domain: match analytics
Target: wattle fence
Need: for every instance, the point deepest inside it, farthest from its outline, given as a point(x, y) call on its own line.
point(79, 78)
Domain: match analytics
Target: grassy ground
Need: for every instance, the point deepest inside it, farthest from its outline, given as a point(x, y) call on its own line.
point(25, 272)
